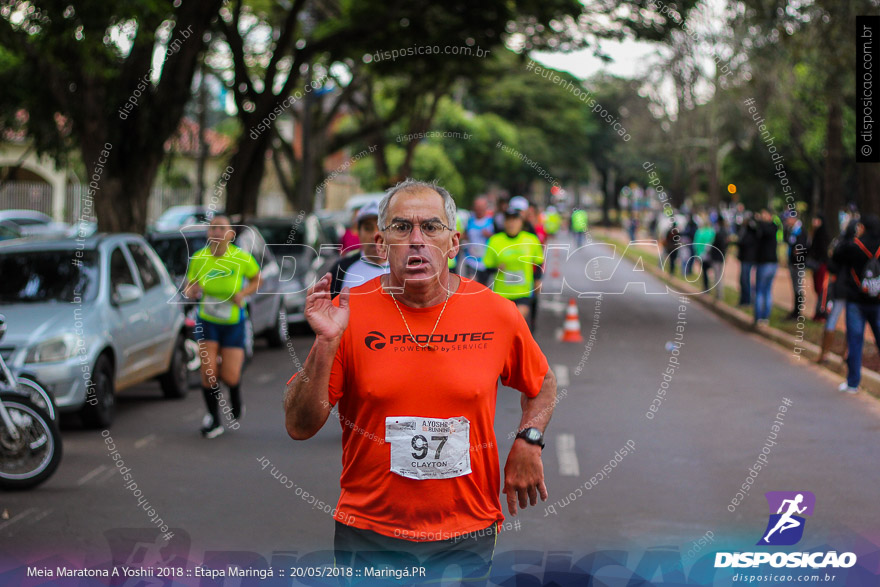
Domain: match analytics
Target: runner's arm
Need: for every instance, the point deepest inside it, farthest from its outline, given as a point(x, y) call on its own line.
point(192, 289)
point(252, 286)
point(538, 410)
point(306, 403)
point(524, 471)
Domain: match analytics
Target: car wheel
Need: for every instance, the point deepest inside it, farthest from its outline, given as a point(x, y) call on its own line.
point(175, 382)
point(100, 406)
point(279, 334)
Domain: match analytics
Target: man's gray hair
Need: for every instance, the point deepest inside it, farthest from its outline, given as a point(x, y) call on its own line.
point(414, 185)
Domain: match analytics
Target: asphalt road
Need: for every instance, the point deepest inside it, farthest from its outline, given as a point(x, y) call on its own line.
point(685, 465)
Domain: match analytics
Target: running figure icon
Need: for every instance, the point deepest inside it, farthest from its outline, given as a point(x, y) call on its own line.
point(786, 522)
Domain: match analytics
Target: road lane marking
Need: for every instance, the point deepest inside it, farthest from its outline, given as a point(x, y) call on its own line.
point(568, 460)
point(144, 441)
point(555, 306)
point(91, 474)
point(40, 516)
point(106, 476)
point(561, 372)
point(20, 516)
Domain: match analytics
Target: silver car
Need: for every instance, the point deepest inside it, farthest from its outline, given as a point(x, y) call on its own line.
point(32, 222)
point(90, 317)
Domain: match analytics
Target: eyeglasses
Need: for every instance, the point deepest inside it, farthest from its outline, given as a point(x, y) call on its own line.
point(403, 228)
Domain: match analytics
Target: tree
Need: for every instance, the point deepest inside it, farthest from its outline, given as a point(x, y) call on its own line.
point(105, 79)
point(352, 44)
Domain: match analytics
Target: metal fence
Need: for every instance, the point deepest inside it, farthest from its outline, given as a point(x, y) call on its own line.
point(22, 195)
point(26, 195)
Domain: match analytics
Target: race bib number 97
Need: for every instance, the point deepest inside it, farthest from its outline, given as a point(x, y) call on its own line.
point(429, 448)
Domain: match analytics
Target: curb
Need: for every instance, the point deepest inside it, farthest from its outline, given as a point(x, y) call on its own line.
point(833, 363)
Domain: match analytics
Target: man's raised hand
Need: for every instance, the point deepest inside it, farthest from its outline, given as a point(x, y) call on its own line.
point(326, 320)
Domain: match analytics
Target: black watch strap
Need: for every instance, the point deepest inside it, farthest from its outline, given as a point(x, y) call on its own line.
point(532, 436)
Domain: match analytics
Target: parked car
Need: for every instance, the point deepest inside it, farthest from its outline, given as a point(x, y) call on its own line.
point(32, 222)
point(91, 310)
point(9, 230)
point(82, 229)
point(304, 254)
point(357, 201)
point(266, 312)
point(178, 216)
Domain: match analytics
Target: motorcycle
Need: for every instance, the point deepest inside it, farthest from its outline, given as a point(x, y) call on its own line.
point(30, 443)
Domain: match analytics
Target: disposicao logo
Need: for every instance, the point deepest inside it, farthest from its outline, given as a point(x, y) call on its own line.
point(785, 527)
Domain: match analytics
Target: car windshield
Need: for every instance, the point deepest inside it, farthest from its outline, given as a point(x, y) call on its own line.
point(175, 252)
point(48, 276)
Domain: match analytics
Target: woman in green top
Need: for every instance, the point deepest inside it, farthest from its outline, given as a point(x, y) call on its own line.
point(217, 274)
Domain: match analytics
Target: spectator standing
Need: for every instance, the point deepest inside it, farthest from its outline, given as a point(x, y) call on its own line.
point(671, 244)
point(766, 263)
point(860, 278)
point(817, 261)
point(835, 296)
point(687, 237)
point(747, 249)
point(796, 237)
point(714, 258)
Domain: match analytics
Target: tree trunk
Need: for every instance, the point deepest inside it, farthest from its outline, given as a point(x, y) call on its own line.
point(120, 200)
point(833, 163)
point(137, 141)
point(248, 164)
point(609, 198)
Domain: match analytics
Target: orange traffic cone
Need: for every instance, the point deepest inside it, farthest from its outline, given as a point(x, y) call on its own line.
point(571, 329)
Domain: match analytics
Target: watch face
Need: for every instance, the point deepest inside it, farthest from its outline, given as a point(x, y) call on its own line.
point(533, 434)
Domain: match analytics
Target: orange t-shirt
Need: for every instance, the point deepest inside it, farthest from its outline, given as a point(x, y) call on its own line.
point(379, 372)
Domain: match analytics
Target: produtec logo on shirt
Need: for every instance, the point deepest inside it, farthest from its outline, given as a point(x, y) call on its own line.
point(374, 340)
point(445, 342)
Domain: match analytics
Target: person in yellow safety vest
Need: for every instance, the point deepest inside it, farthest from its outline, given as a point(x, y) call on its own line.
point(518, 257)
point(552, 222)
point(579, 222)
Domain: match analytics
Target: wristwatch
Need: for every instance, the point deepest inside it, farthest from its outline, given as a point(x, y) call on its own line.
point(532, 436)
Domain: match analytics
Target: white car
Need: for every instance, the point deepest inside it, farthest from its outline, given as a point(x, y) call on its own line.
point(178, 216)
point(358, 201)
point(32, 222)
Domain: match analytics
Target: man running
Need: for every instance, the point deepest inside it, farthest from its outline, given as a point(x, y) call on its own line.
point(412, 359)
point(479, 228)
point(217, 274)
point(518, 256)
point(786, 522)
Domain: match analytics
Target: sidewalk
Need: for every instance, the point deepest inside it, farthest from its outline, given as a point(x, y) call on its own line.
point(783, 297)
point(783, 293)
